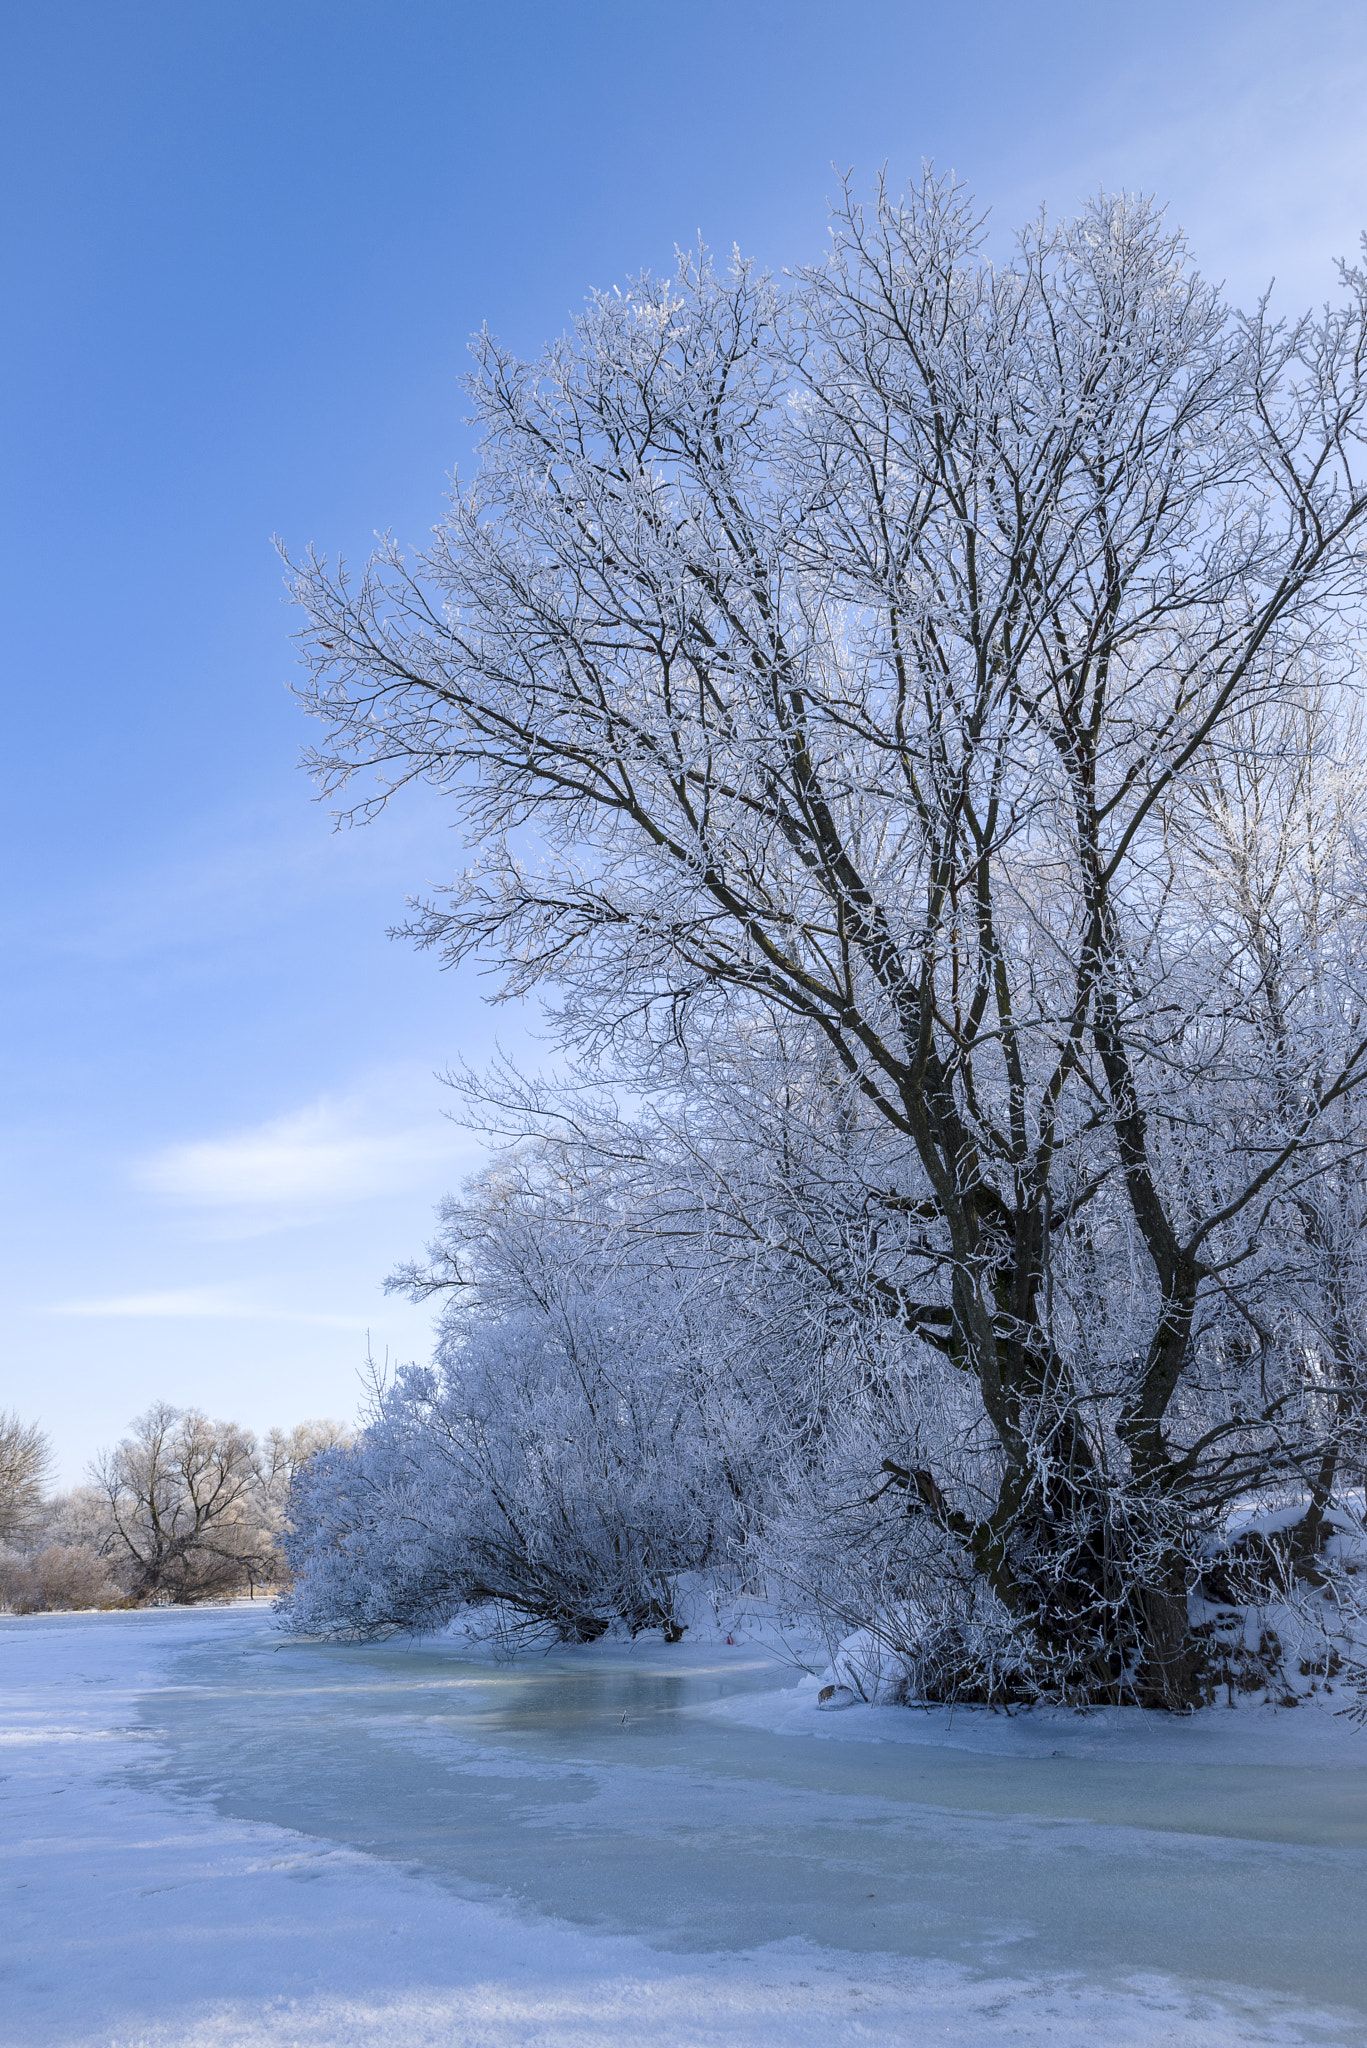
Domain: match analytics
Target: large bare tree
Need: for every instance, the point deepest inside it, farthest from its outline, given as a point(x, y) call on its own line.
point(860, 660)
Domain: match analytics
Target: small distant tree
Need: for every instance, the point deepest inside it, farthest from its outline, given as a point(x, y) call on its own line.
point(25, 1468)
point(183, 1495)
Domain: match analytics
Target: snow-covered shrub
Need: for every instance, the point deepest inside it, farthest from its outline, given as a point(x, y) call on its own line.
point(560, 1464)
point(1282, 1625)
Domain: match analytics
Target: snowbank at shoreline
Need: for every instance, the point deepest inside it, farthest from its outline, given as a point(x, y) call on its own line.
point(1312, 1733)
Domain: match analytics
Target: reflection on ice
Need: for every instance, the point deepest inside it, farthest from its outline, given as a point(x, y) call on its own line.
point(663, 1792)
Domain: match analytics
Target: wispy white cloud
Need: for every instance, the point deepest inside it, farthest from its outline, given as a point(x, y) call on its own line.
point(198, 1304)
point(383, 1139)
point(334, 1152)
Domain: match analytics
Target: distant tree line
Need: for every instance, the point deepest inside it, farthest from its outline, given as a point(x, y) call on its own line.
point(182, 1509)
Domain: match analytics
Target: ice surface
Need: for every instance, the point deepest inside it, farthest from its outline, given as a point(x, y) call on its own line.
point(267, 1841)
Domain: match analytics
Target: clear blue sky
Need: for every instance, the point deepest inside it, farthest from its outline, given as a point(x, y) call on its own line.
point(245, 241)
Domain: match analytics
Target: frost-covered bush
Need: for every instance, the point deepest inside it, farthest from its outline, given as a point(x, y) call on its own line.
point(564, 1459)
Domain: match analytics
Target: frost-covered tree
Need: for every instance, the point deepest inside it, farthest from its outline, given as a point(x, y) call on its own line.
point(853, 689)
point(25, 1465)
point(281, 1456)
point(183, 1501)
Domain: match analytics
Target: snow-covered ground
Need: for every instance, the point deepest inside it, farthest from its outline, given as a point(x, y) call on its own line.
point(211, 1836)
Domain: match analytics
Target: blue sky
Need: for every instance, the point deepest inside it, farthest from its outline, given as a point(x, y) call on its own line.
point(245, 244)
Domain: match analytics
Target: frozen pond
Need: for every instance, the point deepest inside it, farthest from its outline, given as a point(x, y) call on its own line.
point(603, 1787)
point(210, 1835)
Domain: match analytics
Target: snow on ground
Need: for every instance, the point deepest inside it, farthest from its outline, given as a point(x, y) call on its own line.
point(136, 1916)
point(1314, 1734)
